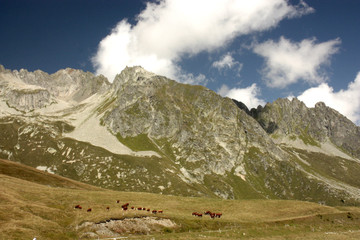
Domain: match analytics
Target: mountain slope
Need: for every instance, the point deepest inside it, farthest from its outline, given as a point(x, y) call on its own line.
point(145, 132)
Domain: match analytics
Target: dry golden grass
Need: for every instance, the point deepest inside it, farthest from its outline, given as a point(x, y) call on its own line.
point(29, 209)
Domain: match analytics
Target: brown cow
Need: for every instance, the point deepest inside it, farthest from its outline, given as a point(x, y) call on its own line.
point(197, 214)
point(125, 205)
point(218, 215)
point(154, 211)
point(160, 211)
point(89, 210)
point(108, 208)
point(78, 207)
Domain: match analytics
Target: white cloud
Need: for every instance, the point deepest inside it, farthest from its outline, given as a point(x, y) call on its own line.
point(347, 101)
point(168, 31)
point(289, 62)
point(227, 62)
point(249, 96)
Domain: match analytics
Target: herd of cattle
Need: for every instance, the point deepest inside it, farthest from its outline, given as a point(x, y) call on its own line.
point(211, 214)
point(125, 207)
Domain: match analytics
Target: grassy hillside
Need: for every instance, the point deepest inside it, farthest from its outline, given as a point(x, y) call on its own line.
point(44, 208)
point(24, 172)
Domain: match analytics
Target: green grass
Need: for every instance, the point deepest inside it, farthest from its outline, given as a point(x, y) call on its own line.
point(140, 142)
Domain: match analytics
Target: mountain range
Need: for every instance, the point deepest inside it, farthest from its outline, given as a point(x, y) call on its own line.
point(148, 133)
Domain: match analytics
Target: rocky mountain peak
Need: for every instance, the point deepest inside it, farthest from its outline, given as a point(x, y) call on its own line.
point(27, 91)
point(316, 125)
point(136, 73)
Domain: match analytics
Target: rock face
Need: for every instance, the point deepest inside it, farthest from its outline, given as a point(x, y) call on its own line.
point(202, 132)
point(27, 91)
point(315, 125)
point(204, 144)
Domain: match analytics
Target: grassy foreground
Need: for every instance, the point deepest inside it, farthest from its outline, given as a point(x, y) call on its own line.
point(41, 205)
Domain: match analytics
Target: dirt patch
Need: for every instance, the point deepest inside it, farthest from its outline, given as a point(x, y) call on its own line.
point(116, 228)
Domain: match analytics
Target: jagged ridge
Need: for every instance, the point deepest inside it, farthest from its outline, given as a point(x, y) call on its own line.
point(205, 145)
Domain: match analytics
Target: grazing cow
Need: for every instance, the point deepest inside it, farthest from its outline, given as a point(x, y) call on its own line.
point(148, 210)
point(117, 201)
point(132, 208)
point(144, 209)
point(78, 207)
point(125, 208)
point(218, 215)
point(108, 208)
point(89, 210)
point(154, 211)
point(197, 214)
point(125, 205)
point(212, 215)
point(139, 208)
point(207, 213)
point(160, 211)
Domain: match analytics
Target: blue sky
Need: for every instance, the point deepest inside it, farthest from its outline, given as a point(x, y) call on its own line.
point(253, 51)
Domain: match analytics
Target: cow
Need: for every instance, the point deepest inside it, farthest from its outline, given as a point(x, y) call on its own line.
point(108, 208)
point(117, 201)
point(160, 211)
point(148, 210)
point(154, 211)
point(89, 210)
point(132, 208)
point(78, 207)
point(218, 215)
point(139, 208)
point(197, 214)
point(125, 205)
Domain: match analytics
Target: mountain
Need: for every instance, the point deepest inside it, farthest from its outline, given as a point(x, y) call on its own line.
point(145, 132)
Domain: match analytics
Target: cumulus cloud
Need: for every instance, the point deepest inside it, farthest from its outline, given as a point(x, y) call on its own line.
point(227, 62)
point(289, 62)
point(167, 31)
point(249, 96)
point(347, 101)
